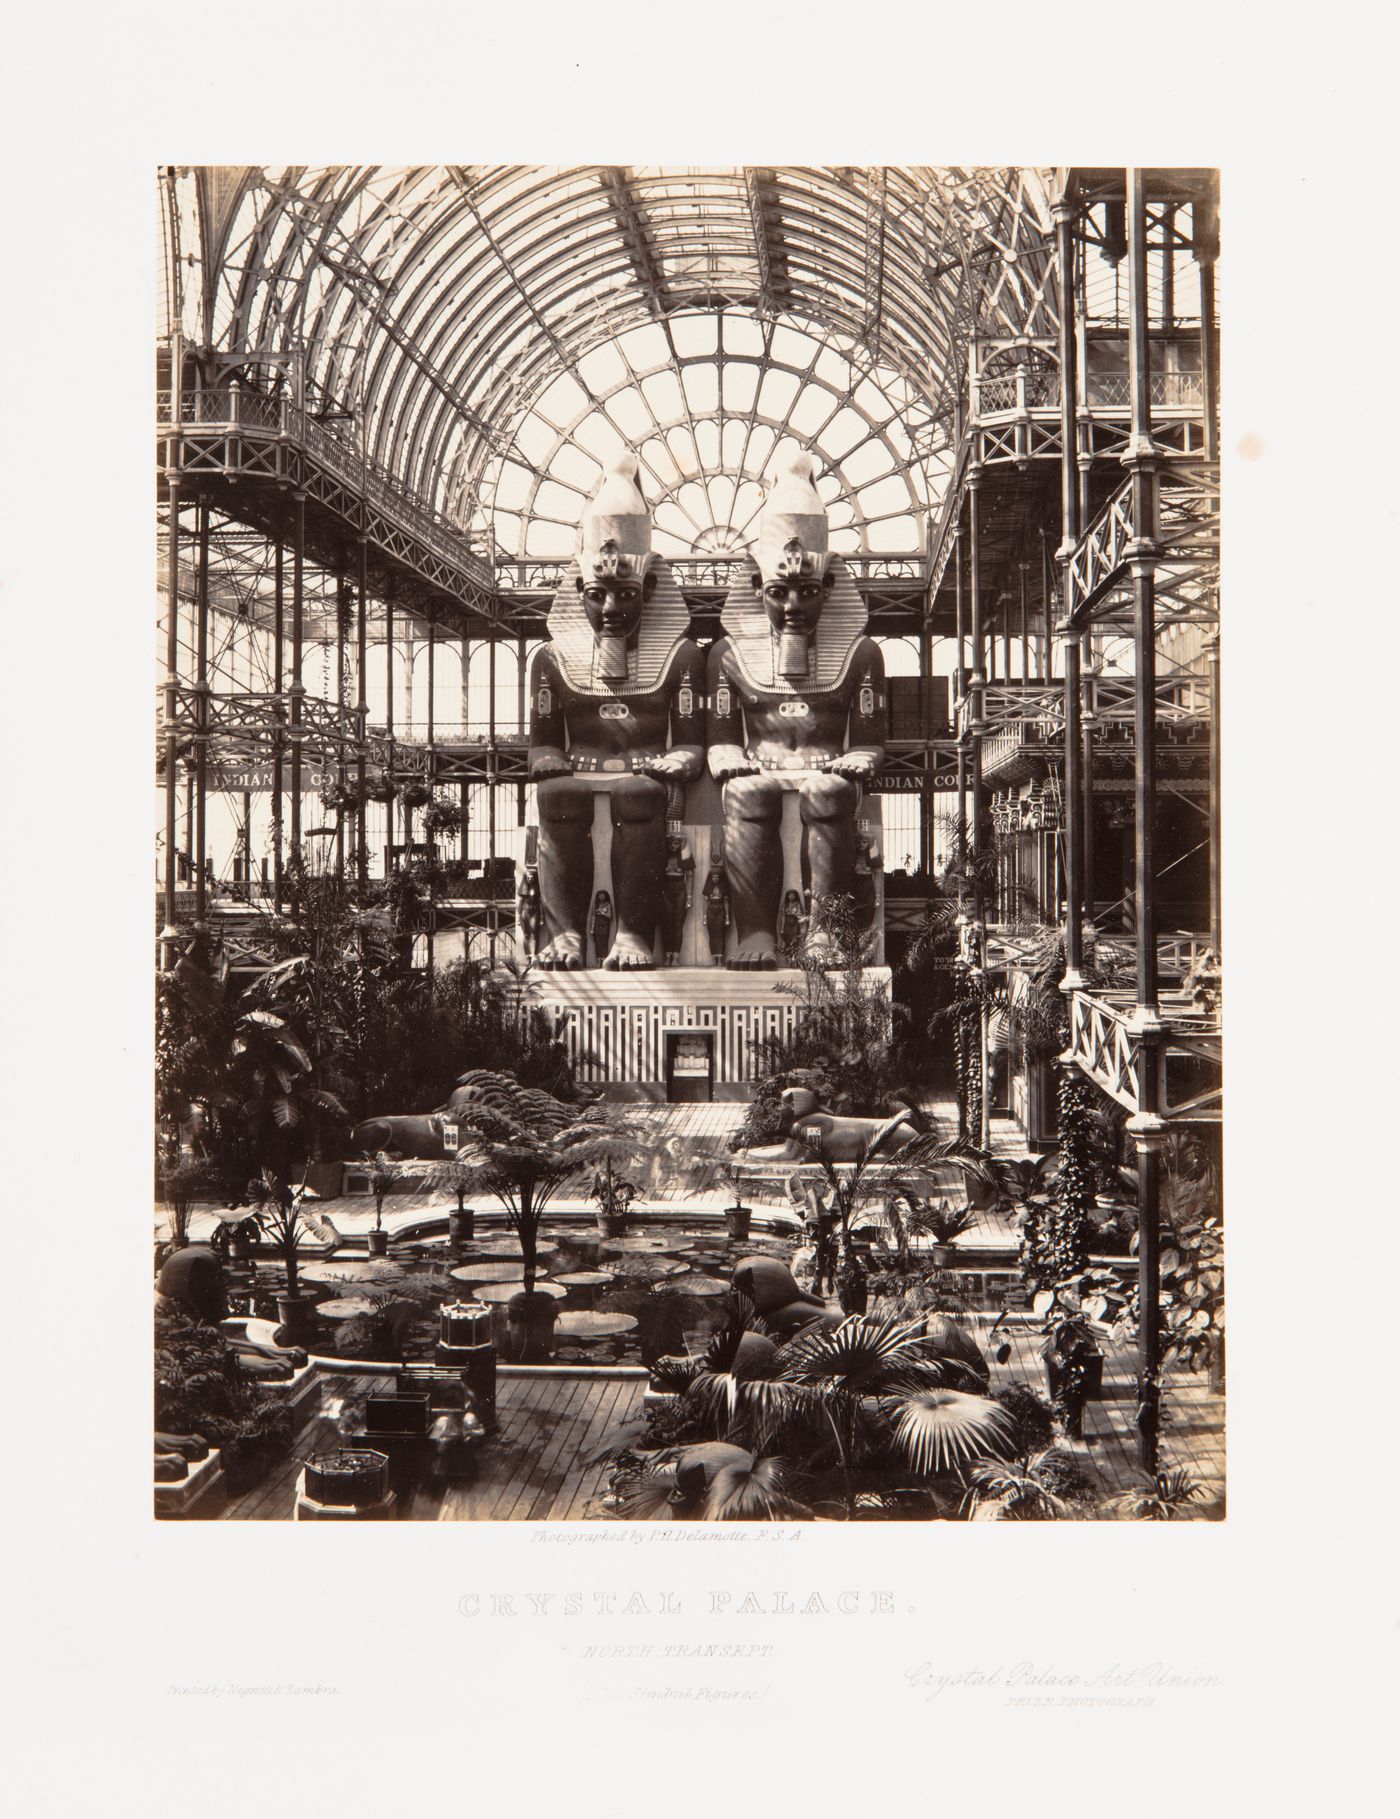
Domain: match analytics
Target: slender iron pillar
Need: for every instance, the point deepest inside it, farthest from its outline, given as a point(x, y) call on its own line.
point(361, 716)
point(432, 770)
point(1069, 534)
point(1086, 785)
point(172, 711)
point(294, 688)
point(464, 787)
point(979, 795)
point(278, 634)
point(199, 839)
point(960, 715)
point(1206, 227)
point(390, 595)
point(492, 767)
point(1146, 1126)
point(1213, 660)
point(343, 597)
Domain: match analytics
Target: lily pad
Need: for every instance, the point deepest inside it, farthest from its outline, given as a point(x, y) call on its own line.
point(503, 1291)
point(347, 1308)
point(352, 1271)
point(584, 1278)
point(698, 1285)
point(636, 1245)
point(486, 1272)
point(595, 1326)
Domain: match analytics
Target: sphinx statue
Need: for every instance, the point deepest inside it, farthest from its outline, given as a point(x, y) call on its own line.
point(809, 1132)
point(615, 704)
point(797, 702)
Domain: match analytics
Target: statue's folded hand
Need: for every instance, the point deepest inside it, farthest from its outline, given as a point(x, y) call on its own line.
point(664, 764)
point(550, 764)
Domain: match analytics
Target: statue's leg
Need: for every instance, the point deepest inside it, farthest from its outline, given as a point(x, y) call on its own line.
point(638, 808)
point(829, 847)
point(753, 860)
point(565, 870)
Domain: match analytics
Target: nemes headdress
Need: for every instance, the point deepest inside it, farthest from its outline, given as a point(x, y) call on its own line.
point(614, 534)
point(793, 539)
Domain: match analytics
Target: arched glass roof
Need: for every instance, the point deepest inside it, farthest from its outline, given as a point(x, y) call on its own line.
point(494, 333)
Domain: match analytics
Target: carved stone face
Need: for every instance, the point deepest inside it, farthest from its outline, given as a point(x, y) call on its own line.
point(793, 603)
point(613, 603)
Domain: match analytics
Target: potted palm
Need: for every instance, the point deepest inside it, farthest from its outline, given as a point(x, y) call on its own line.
point(1069, 1346)
point(940, 1222)
point(181, 1179)
point(278, 1212)
point(612, 1196)
point(383, 1173)
point(737, 1216)
point(455, 1175)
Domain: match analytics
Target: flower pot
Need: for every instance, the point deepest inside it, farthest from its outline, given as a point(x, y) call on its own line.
point(295, 1311)
point(529, 1327)
point(611, 1225)
point(1070, 1403)
point(461, 1226)
point(737, 1220)
point(941, 1256)
point(377, 1243)
point(348, 1476)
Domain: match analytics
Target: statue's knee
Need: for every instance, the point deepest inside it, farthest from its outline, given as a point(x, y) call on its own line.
point(828, 799)
point(637, 799)
point(752, 799)
point(562, 802)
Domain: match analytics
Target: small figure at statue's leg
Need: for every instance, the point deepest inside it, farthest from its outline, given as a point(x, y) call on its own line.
point(638, 808)
point(565, 870)
point(753, 861)
point(828, 806)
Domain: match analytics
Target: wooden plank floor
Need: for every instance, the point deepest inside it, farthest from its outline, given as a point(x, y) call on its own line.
point(1192, 1435)
point(532, 1468)
point(537, 1465)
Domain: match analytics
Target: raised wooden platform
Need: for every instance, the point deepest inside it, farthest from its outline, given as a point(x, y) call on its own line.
point(535, 1467)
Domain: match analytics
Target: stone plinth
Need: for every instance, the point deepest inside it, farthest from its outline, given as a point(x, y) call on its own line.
point(629, 1021)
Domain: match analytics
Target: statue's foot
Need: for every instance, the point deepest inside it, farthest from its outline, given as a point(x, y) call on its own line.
point(564, 954)
point(628, 954)
point(756, 956)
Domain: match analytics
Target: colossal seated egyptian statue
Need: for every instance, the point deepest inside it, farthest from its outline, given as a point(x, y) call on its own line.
point(614, 705)
point(796, 693)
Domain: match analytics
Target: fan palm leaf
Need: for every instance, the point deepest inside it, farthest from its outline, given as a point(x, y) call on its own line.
point(942, 1430)
point(759, 1491)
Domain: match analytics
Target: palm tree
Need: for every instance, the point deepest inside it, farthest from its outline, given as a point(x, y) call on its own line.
point(1163, 1500)
point(522, 1145)
point(1046, 1486)
point(271, 1095)
point(880, 1383)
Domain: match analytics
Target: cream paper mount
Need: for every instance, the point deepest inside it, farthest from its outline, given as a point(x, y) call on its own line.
point(842, 626)
point(665, 621)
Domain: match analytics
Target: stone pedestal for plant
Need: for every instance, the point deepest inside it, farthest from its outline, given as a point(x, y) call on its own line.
point(476, 1365)
point(377, 1243)
point(737, 1220)
point(345, 1486)
point(461, 1227)
point(529, 1327)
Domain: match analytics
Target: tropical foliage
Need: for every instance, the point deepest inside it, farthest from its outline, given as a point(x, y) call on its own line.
point(521, 1145)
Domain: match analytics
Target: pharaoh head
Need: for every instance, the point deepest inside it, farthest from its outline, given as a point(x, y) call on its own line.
point(794, 577)
point(616, 575)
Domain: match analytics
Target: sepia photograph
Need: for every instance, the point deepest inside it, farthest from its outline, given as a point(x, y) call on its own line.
point(688, 914)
